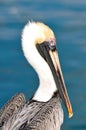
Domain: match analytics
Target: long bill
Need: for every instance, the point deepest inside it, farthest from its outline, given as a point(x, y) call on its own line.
point(57, 73)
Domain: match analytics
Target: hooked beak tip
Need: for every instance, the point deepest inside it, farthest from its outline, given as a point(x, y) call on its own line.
point(70, 115)
point(70, 112)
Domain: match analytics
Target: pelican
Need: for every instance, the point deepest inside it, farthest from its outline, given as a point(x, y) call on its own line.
point(43, 111)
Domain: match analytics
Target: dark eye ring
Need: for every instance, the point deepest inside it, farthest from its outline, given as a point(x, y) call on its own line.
point(52, 44)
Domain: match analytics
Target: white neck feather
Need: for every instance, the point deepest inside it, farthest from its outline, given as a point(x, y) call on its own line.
point(47, 85)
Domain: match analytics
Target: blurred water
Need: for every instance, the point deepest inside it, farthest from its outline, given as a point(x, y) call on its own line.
point(68, 21)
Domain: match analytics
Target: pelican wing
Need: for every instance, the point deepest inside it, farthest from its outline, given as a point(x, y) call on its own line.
point(36, 115)
point(11, 107)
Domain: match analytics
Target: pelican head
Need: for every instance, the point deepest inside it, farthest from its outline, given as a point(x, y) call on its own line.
point(39, 46)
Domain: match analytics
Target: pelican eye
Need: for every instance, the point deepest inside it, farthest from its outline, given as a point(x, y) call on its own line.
point(51, 44)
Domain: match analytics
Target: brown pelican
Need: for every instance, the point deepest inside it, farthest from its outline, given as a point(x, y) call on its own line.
point(43, 111)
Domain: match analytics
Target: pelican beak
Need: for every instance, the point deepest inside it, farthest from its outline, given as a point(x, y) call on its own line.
point(58, 77)
point(50, 54)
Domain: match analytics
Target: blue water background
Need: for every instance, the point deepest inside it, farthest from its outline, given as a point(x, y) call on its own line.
point(67, 18)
